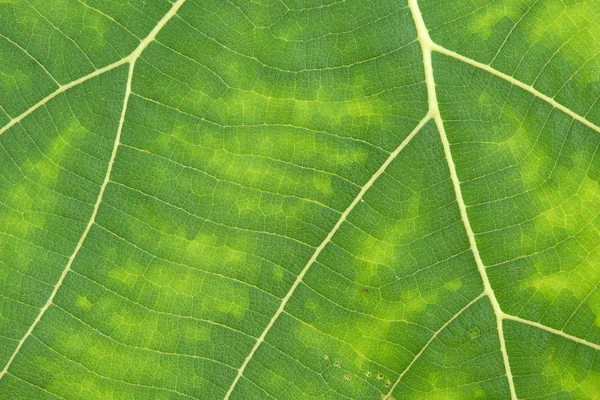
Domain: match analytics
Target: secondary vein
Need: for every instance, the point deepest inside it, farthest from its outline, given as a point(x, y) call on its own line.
point(516, 82)
point(323, 244)
point(131, 60)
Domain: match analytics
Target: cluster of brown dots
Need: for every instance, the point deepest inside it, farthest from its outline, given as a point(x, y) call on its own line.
point(368, 374)
point(335, 364)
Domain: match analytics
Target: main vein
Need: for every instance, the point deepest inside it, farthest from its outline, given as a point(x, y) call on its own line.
point(427, 47)
point(323, 244)
point(131, 59)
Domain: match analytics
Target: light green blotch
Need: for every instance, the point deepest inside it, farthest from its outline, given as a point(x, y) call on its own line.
point(372, 343)
point(303, 150)
point(550, 285)
point(580, 282)
point(190, 284)
point(84, 302)
point(578, 381)
point(374, 251)
point(47, 168)
point(565, 22)
point(197, 333)
point(87, 387)
point(19, 198)
point(90, 387)
point(454, 285)
point(97, 22)
point(123, 276)
point(381, 252)
point(551, 219)
point(278, 272)
point(249, 107)
point(441, 394)
point(593, 302)
point(127, 274)
point(205, 251)
point(122, 320)
point(415, 302)
point(16, 80)
point(589, 192)
point(483, 22)
point(91, 19)
point(552, 24)
point(534, 163)
point(323, 184)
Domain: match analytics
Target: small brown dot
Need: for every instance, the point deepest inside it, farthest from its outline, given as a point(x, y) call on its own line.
point(379, 377)
point(367, 374)
point(365, 289)
point(387, 383)
point(347, 377)
point(337, 364)
point(326, 357)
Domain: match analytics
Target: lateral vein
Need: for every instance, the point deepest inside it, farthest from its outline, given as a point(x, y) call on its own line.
point(552, 330)
point(516, 82)
point(61, 89)
point(323, 244)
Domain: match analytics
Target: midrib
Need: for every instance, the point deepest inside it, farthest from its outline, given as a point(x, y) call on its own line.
point(131, 59)
point(427, 47)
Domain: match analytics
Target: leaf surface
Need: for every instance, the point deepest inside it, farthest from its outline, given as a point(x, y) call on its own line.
point(299, 199)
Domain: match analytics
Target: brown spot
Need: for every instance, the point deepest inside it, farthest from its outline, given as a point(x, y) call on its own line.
point(326, 357)
point(379, 377)
point(365, 289)
point(347, 377)
point(368, 374)
point(337, 364)
point(387, 383)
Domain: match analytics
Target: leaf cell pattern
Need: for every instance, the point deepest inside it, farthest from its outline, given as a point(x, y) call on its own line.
point(288, 199)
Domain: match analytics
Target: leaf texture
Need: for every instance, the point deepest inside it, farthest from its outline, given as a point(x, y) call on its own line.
point(294, 199)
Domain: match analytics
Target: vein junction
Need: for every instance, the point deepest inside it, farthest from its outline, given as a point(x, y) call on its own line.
point(427, 46)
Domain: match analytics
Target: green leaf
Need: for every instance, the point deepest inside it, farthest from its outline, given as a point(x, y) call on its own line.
point(289, 199)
